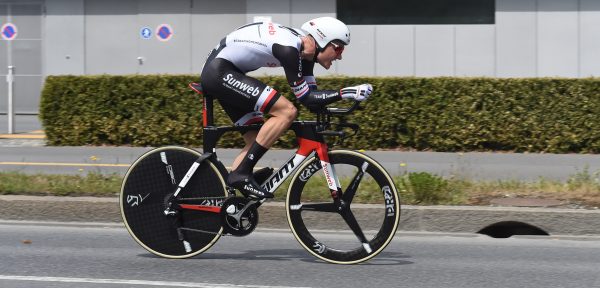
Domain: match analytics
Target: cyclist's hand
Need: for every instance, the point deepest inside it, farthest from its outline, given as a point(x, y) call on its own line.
point(358, 93)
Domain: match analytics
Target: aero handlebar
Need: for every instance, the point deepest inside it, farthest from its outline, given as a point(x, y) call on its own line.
point(343, 111)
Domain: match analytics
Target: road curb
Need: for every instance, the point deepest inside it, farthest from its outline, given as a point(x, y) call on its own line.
point(447, 219)
point(554, 221)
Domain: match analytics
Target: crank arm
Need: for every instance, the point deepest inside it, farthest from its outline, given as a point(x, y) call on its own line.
point(237, 216)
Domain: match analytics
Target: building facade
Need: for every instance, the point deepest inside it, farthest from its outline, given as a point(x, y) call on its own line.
point(525, 38)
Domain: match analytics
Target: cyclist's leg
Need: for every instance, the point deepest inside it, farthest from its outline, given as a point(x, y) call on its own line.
point(283, 113)
point(239, 93)
point(237, 104)
point(260, 175)
point(245, 174)
point(249, 138)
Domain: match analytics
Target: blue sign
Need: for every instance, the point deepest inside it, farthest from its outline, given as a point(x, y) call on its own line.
point(146, 33)
point(9, 31)
point(164, 32)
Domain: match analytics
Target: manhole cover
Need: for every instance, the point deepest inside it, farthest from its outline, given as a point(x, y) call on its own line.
point(526, 202)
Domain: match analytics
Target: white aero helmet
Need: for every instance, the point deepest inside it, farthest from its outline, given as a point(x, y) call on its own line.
point(327, 29)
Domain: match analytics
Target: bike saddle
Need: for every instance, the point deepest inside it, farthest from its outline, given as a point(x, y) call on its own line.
point(196, 87)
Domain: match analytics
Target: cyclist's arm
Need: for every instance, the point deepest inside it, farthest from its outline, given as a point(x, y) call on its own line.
point(307, 71)
point(290, 60)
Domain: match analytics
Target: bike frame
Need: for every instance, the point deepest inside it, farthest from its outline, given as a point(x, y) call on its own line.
point(310, 139)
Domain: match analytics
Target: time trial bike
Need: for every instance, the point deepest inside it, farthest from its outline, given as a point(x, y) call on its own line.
point(175, 201)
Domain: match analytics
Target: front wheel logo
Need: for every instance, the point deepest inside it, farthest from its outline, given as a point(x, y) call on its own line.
point(319, 247)
point(389, 201)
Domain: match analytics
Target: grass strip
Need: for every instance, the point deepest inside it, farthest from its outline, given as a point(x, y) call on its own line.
point(92, 184)
point(415, 188)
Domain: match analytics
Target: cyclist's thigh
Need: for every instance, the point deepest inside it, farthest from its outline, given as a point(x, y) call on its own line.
point(234, 89)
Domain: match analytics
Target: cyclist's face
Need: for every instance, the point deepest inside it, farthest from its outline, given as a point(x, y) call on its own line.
point(333, 51)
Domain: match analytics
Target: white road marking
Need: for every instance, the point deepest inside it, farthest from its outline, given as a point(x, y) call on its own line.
point(63, 164)
point(130, 282)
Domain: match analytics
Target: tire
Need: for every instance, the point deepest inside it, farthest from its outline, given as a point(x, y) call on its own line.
point(144, 193)
point(378, 220)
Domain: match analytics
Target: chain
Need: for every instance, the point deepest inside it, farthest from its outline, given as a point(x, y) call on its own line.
point(206, 198)
point(203, 231)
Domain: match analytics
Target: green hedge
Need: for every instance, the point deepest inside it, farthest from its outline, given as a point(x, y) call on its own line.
point(440, 114)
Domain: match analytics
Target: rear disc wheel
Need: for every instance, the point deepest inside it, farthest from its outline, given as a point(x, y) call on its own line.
point(150, 181)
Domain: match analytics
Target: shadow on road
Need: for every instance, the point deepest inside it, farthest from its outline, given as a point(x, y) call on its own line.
point(384, 258)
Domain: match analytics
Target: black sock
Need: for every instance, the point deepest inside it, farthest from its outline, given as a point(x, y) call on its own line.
point(254, 154)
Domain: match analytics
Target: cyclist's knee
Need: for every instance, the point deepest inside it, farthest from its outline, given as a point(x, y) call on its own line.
point(285, 109)
point(291, 112)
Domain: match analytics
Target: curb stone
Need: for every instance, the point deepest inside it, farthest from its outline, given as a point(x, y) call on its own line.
point(5, 143)
point(555, 221)
point(448, 219)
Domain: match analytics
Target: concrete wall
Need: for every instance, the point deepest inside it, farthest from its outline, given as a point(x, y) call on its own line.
point(531, 38)
point(64, 36)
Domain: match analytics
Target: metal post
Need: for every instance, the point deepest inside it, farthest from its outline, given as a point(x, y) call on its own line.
point(10, 114)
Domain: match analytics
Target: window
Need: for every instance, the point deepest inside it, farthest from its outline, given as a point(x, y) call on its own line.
point(359, 12)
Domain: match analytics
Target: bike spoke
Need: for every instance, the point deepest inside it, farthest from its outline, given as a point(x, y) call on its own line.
point(348, 195)
point(348, 216)
point(320, 207)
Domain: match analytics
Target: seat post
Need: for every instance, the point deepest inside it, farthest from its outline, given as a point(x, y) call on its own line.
point(207, 105)
point(208, 116)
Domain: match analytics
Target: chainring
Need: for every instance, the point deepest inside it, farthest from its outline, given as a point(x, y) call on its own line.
point(235, 223)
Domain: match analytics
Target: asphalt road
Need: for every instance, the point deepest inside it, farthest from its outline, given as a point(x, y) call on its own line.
point(482, 166)
point(42, 255)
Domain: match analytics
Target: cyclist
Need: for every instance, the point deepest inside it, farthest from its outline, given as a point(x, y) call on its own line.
point(246, 99)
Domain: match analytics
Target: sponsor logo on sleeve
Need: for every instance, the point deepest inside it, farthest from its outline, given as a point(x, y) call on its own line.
point(272, 30)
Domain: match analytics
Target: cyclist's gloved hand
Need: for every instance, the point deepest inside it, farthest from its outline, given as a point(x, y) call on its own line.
point(358, 93)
